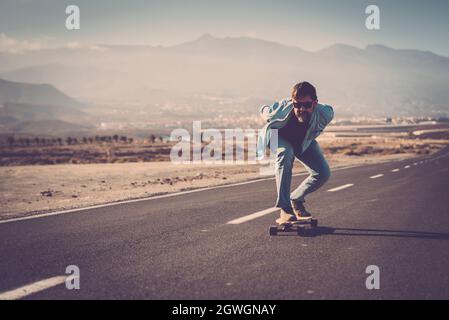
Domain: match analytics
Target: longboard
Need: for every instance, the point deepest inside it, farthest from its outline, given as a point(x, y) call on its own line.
point(299, 226)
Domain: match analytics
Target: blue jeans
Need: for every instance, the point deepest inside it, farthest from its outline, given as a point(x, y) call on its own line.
point(314, 162)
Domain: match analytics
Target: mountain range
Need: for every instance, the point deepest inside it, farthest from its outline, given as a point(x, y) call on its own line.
point(372, 81)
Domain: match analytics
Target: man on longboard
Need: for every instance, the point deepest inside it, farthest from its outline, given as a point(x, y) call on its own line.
point(299, 121)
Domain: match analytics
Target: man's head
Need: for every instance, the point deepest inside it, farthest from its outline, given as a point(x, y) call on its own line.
point(304, 99)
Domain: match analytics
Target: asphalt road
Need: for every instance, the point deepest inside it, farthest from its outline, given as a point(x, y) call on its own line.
point(181, 247)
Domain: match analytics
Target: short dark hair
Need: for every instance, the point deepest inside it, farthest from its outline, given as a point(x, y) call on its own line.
point(304, 89)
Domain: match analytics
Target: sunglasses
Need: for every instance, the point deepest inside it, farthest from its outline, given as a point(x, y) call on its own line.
point(305, 105)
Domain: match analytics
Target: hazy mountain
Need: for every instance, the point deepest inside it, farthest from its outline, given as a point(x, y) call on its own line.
point(25, 106)
point(243, 48)
point(34, 94)
point(376, 80)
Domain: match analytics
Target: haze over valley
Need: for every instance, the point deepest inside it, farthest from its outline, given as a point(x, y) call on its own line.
point(212, 79)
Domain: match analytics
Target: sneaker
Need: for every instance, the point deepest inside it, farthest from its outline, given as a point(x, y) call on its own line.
point(300, 211)
point(286, 215)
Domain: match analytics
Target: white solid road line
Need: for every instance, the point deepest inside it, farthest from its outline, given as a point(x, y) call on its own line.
point(55, 213)
point(341, 187)
point(395, 170)
point(253, 216)
point(377, 176)
point(32, 288)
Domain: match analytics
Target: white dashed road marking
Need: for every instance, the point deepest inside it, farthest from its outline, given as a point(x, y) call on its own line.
point(271, 210)
point(341, 187)
point(265, 212)
point(32, 288)
point(253, 216)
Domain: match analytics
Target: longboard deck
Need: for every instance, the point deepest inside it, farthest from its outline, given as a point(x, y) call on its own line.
point(281, 222)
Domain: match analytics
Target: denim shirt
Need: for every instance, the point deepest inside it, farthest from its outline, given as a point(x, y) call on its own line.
point(277, 115)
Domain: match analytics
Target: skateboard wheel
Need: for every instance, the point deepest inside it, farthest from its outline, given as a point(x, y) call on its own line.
point(273, 231)
point(314, 223)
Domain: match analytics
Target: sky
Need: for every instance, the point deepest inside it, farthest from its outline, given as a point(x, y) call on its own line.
point(311, 25)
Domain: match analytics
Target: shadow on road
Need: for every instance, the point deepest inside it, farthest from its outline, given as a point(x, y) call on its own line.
point(319, 231)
